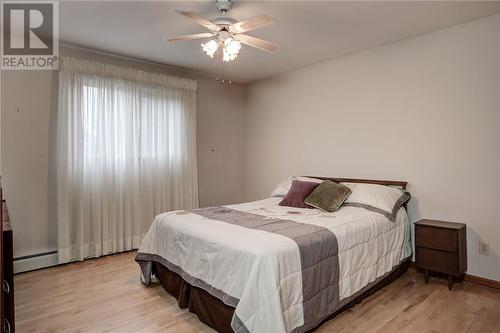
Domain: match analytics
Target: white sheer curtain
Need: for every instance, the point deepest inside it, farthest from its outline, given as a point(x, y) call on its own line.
point(126, 152)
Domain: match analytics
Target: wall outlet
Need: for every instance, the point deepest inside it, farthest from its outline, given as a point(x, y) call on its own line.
point(484, 249)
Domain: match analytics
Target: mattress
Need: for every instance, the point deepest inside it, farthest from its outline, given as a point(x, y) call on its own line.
point(283, 269)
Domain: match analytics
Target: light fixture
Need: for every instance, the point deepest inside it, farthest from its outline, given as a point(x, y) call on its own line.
point(230, 47)
point(210, 48)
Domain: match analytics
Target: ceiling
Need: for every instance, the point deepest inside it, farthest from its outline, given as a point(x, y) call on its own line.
point(307, 31)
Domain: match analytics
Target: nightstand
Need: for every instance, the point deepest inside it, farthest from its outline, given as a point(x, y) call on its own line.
point(441, 247)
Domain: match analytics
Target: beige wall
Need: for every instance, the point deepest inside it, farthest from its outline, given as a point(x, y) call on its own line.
point(28, 140)
point(425, 110)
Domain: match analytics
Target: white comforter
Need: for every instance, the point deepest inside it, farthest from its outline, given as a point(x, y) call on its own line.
point(259, 273)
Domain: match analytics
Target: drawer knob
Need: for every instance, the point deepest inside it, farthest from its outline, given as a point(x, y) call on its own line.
point(6, 286)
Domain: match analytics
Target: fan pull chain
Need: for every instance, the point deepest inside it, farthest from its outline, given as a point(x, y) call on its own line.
point(220, 69)
point(219, 72)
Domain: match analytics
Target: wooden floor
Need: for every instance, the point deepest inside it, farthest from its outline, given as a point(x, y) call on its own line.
point(105, 295)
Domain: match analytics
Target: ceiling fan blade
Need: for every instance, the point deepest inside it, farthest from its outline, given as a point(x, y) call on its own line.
point(252, 23)
point(188, 37)
point(198, 19)
point(257, 42)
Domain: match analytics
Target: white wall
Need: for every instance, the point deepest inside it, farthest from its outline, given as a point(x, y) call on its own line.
point(425, 110)
point(27, 99)
point(28, 145)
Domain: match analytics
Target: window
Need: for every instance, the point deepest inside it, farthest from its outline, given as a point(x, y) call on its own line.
point(153, 121)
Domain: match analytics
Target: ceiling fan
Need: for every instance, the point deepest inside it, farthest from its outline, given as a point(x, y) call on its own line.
point(228, 33)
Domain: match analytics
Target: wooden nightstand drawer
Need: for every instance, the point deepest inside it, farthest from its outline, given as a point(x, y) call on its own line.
point(436, 238)
point(435, 260)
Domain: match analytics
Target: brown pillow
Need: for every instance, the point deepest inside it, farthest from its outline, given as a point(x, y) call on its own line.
point(328, 196)
point(297, 193)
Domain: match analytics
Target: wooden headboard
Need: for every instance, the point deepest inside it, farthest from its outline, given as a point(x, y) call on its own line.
point(365, 181)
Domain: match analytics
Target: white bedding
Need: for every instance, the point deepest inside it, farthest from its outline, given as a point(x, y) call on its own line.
point(259, 272)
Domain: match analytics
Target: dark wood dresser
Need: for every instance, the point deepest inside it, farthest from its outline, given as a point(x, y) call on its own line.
point(441, 247)
point(7, 272)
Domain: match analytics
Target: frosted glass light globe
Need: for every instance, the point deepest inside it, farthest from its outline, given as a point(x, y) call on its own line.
point(210, 48)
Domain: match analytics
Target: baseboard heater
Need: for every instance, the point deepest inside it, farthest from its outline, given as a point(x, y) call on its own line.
point(35, 255)
point(35, 261)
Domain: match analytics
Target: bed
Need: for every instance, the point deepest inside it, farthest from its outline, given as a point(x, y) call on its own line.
point(262, 267)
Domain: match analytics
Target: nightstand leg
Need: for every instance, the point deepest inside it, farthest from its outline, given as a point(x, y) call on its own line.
point(450, 282)
point(426, 276)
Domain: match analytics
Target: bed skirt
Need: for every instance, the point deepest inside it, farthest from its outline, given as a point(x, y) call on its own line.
point(213, 312)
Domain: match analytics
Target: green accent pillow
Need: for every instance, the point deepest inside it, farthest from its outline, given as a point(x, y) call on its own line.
point(328, 196)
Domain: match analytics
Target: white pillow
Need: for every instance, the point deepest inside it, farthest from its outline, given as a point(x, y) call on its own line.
point(282, 188)
point(378, 198)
